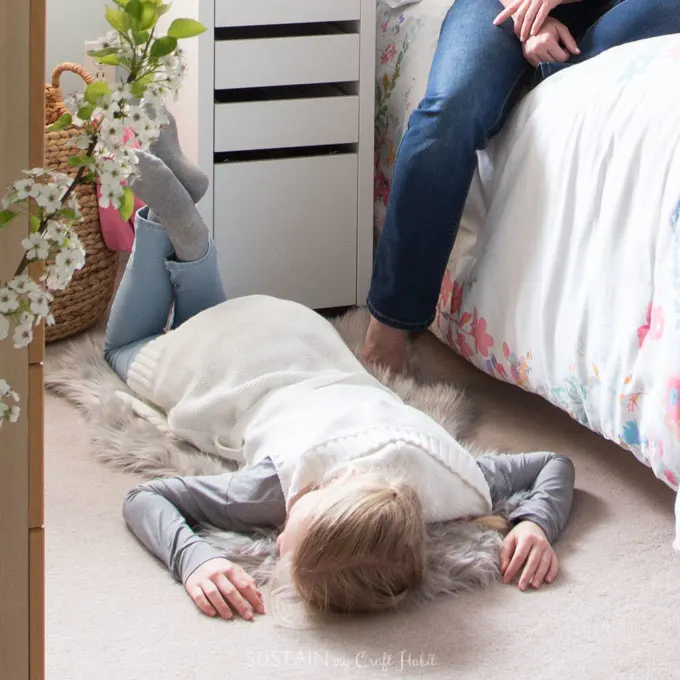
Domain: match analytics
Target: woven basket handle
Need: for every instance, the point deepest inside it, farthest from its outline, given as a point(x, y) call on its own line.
point(57, 105)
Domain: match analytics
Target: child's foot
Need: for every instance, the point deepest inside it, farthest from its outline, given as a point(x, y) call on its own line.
point(168, 149)
point(160, 189)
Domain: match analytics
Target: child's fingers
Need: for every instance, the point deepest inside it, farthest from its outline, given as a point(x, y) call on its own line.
point(212, 592)
point(235, 599)
point(246, 585)
point(518, 559)
point(543, 568)
point(530, 568)
point(554, 569)
point(508, 548)
point(198, 596)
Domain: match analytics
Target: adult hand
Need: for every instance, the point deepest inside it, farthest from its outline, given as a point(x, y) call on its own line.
point(528, 15)
point(527, 546)
point(218, 586)
point(554, 43)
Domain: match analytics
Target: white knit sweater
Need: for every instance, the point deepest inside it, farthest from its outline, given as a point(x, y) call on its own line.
point(258, 376)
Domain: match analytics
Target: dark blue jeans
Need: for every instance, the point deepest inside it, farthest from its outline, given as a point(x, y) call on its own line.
point(477, 74)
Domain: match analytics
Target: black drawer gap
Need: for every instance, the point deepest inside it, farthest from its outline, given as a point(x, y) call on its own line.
point(278, 154)
point(279, 92)
point(284, 30)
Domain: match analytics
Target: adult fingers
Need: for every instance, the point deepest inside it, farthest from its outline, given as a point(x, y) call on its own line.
point(518, 17)
point(212, 592)
point(235, 599)
point(541, 16)
point(518, 559)
point(507, 12)
point(529, 19)
point(554, 569)
point(198, 596)
point(530, 568)
point(543, 568)
point(567, 39)
point(246, 585)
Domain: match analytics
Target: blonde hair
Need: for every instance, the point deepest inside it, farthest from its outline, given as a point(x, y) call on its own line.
point(363, 549)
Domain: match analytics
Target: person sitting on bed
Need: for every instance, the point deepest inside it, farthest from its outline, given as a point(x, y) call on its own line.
point(334, 459)
point(478, 71)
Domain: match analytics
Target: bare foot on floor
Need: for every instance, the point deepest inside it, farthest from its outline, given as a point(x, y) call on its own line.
point(385, 346)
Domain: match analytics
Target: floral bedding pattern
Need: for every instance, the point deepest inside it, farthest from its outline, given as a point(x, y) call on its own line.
point(613, 361)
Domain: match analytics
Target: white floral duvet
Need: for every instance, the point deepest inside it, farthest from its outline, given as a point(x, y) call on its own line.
point(565, 278)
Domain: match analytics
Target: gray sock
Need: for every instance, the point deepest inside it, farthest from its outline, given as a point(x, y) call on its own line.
point(171, 205)
point(168, 149)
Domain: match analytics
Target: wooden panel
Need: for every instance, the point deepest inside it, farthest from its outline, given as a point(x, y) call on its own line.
point(14, 157)
point(308, 223)
point(286, 61)
point(37, 603)
point(286, 123)
point(259, 12)
point(36, 466)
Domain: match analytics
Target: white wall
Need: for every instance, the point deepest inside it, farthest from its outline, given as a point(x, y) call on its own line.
point(69, 24)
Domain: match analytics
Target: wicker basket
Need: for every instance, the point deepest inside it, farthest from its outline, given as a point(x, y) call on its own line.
point(88, 295)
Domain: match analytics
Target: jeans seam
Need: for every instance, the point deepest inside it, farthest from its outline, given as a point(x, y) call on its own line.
point(505, 102)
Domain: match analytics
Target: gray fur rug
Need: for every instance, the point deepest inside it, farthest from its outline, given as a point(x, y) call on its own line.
point(461, 556)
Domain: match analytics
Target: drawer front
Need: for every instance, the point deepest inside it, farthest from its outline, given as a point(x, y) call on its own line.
point(288, 228)
point(286, 123)
point(286, 61)
point(262, 12)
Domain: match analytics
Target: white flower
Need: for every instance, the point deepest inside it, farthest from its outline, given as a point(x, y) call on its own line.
point(40, 303)
point(14, 414)
point(36, 172)
point(50, 320)
point(56, 233)
point(9, 300)
point(81, 142)
point(23, 334)
point(4, 327)
point(61, 179)
point(36, 247)
point(111, 131)
point(47, 196)
point(21, 284)
point(23, 188)
point(5, 389)
point(111, 195)
point(4, 413)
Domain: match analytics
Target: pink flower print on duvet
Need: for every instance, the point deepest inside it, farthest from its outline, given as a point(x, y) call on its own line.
point(483, 341)
point(653, 327)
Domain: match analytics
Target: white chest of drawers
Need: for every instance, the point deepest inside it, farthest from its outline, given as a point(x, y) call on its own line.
point(278, 108)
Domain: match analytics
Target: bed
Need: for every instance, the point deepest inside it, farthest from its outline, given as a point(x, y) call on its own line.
point(565, 276)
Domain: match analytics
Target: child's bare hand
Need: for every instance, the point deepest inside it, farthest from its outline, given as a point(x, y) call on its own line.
point(218, 586)
point(527, 546)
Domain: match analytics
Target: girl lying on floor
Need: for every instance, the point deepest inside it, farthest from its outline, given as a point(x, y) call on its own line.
point(332, 458)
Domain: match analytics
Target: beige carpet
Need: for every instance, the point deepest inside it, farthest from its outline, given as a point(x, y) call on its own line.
point(113, 613)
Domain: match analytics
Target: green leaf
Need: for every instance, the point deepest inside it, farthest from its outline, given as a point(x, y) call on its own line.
point(67, 213)
point(96, 90)
point(34, 221)
point(6, 216)
point(103, 53)
point(85, 112)
point(140, 37)
point(109, 60)
point(121, 3)
point(80, 161)
point(138, 87)
point(185, 28)
point(119, 20)
point(64, 121)
point(149, 16)
point(162, 9)
point(127, 204)
point(163, 46)
point(134, 9)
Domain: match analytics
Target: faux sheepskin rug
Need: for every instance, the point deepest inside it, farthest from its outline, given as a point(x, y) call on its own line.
point(461, 556)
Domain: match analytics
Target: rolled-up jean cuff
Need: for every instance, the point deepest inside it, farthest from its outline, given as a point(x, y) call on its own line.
point(395, 323)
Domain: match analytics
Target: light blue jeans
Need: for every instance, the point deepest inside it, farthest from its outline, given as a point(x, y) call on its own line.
point(154, 286)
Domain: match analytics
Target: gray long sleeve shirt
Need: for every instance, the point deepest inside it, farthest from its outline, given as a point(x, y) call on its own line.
point(163, 513)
